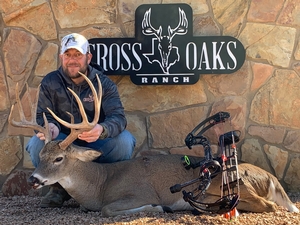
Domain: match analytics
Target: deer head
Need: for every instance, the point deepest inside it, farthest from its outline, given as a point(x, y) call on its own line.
point(165, 42)
point(53, 150)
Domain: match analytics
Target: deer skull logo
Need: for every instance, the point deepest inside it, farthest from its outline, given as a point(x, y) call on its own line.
point(168, 52)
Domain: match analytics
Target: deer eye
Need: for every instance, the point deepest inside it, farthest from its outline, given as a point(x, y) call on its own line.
point(58, 159)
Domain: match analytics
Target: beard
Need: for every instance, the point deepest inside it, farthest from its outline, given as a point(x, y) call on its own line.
point(71, 72)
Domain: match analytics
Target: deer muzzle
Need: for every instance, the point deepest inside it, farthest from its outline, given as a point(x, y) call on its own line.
point(34, 182)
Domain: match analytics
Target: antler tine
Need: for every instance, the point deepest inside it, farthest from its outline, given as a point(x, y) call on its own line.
point(147, 28)
point(182, 26)
point(85, 125)
point(32, 123)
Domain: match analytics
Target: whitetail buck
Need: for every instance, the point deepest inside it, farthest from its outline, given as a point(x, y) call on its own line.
point(139, 184)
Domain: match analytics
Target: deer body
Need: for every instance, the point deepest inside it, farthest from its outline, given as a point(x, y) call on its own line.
point(143, 184)
point(140, 184)
point(114, 188)
point(260, 191)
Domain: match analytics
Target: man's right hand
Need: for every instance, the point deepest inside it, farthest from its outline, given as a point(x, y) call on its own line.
point(54, 131)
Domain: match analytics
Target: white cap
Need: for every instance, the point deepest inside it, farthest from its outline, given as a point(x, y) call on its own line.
point(76, 41)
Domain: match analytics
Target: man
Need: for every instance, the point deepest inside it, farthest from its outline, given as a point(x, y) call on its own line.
point(108, 136)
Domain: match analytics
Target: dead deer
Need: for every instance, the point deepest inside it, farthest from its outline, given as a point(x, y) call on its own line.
point(139, 184)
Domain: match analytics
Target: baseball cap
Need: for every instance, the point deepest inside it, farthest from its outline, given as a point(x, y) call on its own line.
point(76, 41)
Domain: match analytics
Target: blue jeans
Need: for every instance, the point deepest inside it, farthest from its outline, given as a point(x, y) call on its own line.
point(113, 149)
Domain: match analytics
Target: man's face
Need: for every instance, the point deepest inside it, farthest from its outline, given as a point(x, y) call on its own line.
point(73, 61)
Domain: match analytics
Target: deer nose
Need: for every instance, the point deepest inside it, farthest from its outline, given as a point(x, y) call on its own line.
point(32, 181)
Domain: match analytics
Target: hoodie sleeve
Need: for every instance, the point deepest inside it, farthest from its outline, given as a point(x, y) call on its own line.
point(114, 117)
point(44, 102)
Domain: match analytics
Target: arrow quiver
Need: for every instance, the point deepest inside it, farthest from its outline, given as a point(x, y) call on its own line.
point(226, 165)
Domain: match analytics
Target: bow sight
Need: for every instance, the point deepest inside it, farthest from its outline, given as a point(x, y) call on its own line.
point(210, 167)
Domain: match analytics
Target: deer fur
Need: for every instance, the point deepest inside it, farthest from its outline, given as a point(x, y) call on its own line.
point(143, 183)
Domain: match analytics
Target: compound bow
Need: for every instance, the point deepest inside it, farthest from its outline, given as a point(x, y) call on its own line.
point(210, 167)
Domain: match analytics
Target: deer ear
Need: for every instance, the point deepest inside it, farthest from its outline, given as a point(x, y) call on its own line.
point(85, 154)
point(88, 155)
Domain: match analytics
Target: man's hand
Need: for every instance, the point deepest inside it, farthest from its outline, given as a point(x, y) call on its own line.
point(54, 131)
point(92, 135)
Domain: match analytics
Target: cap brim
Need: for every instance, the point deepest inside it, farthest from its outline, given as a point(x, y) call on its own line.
point(74, 47)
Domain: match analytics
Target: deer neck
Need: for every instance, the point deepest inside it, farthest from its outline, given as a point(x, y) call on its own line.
point(84, 178)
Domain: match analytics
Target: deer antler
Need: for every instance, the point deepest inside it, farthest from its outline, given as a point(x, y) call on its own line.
point(147, 28)
point(85, 125)
point(32, 123)
point(182, 26)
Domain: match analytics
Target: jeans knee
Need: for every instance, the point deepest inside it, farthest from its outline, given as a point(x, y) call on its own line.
point(127, 143)
point(129, 138)
point(118, 148)
point(33, 147)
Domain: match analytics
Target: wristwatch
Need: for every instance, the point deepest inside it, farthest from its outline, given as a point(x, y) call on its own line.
point(104, 133)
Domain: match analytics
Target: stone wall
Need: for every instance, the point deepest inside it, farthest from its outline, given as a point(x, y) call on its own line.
point(262, 97)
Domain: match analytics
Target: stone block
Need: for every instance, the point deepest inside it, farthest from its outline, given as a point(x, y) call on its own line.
point(278, 159)
point(270, 134)
point(16, 184)
point(10, 154)
point(252, 153)
point(170, 129)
